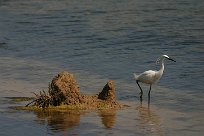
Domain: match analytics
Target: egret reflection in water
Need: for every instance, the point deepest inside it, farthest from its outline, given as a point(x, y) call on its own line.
point(150, 121)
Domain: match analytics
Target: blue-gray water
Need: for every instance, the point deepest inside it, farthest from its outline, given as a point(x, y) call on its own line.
point(100, 40)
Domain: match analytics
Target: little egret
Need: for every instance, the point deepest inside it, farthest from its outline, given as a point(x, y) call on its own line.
point(150, 76)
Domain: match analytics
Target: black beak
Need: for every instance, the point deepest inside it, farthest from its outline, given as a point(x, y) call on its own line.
point(171, 59)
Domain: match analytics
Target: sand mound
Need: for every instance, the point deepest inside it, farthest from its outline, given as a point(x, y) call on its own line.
point(64, 89)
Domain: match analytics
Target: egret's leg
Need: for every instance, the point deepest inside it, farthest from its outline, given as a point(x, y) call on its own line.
point(149, 90)
point(148, 103)
point(149, 94)
point(141, 100)
point(141, 93)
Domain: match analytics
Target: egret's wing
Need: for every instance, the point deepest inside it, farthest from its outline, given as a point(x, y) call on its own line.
point(149, 73)
point(147, 76)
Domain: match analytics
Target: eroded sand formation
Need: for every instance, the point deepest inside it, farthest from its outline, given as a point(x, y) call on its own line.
point(64, 90)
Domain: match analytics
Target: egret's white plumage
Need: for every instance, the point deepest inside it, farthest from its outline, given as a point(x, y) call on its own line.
point(150, 76)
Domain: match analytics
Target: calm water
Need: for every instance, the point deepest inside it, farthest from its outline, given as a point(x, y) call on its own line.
point(101, 40)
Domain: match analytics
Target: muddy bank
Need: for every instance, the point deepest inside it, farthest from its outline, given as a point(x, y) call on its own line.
point(64, 92)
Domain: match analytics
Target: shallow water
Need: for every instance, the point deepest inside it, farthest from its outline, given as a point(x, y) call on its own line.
point(98, 41)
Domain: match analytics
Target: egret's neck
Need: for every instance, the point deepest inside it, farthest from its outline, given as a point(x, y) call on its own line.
point(162, 67)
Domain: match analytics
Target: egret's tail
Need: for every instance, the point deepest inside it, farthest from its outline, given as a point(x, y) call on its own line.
point(135, 76)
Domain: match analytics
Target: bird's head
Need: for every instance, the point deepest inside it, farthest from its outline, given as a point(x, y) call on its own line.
point(160, 59)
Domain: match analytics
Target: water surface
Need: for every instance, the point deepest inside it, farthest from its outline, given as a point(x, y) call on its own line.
point(97, 41)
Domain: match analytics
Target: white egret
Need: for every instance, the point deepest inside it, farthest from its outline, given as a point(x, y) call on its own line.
point(150, 76)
